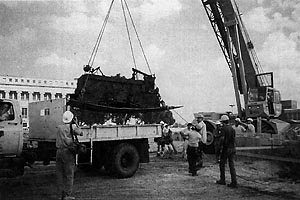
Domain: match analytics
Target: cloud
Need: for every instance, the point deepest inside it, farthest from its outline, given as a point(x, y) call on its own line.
point(63, 68)
point(257, 20)
point(154, 10)
point(17, 40)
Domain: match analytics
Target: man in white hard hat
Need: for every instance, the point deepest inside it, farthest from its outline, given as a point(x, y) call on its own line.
point(218, 140)
point(239, 127)
point(250, 127)
point(65, 159)
point(227, 152)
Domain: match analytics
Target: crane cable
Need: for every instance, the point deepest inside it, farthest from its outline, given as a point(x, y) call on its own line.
point(96, 47)
point(137, 35)
point(100, 35)
point(128, 34)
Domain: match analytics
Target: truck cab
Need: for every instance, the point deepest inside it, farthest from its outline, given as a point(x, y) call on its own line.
point(11, 132)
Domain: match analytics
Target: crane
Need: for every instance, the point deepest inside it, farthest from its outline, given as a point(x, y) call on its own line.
point(260, 97)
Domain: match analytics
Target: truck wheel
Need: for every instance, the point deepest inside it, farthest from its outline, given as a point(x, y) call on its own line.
point(210, 147)
point(125, 160)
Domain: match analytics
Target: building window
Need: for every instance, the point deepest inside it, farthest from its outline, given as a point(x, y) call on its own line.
point(16, 80)
point(10, 80)
point(36, 96)
point(67, 83)
point(58, 96)
point(47, 96)
point(33, 81)
point(24, 113)
point(22, 80)
point(45, 82)
point(25, 96)
point(47, 111)
point(39, 81)
point(12, 95)
point(2, 94)
point(28, 81)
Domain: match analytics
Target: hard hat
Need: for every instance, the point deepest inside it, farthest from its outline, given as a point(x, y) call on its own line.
point(250, 119)
point(224, 118)
point(162, 122)
point(237, 119)
point(67, 117)
point(218, 123)
point(198, 115)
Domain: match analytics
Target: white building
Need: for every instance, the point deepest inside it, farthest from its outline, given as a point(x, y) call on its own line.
point(27, 90)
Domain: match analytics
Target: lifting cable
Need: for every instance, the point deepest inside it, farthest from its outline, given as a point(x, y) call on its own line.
point(96, 47)
point(128, 34)
point(136, 33)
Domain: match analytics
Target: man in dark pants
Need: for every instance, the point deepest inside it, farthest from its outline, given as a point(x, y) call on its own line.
point(192, 149)
point(228, 152)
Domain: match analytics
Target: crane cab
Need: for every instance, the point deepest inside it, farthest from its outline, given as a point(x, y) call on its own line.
point(264, 102)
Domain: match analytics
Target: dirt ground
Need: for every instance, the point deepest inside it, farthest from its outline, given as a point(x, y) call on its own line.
point(162, 178)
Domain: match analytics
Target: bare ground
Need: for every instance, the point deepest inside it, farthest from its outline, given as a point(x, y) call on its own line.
point(162, 178)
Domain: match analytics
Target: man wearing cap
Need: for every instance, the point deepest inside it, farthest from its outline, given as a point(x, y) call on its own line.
point(65, 159)
point(239, 127)
point(192, 149)
point(227, 152)
point(218, 140)
point(250, 127)
point(184, 135)
point(200, 126)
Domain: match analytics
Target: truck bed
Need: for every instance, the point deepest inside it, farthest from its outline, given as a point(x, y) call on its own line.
point(119, 132)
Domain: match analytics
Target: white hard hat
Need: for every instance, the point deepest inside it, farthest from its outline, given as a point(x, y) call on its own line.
point(218, 123)
point(198, 115)
point(162, 122)
point(67, 117)
point(250, 119)
point(224, 118)
point(237, 119)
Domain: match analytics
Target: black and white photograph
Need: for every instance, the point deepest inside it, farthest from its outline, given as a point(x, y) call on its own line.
point(149, 99)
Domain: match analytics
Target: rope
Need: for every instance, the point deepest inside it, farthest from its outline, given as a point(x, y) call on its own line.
point(136, 33)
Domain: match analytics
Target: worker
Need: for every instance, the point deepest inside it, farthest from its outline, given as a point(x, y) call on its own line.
point(218, 140)
point(159, 141)
point(250, 127)
point(200, 126)
point(4, 111)
point(65, 159)
point(194, 138)
point(227, 152)
point(184, 136)
point(239, 127)
point(168, 140)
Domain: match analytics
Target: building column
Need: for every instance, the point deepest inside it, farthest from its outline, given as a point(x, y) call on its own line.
point(30, 96)
point(52, 95)
point(6, 94)
point(19, 95)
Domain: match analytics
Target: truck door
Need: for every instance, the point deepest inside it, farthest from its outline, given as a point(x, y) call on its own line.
point(11, 135)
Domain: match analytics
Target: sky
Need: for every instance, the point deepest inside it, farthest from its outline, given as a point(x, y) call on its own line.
point(54, 40)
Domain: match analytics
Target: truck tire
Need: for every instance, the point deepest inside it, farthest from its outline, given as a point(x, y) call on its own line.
point(125, 160)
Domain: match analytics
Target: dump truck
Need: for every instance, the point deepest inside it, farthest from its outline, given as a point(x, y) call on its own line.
point(118, 148)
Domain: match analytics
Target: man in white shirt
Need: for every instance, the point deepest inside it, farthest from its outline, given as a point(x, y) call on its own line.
point(192, 150)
